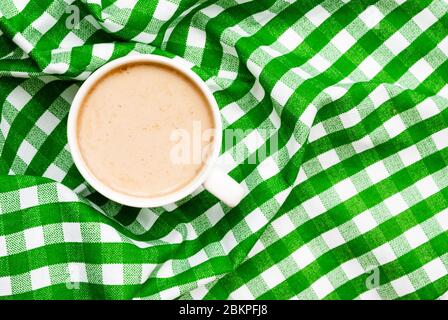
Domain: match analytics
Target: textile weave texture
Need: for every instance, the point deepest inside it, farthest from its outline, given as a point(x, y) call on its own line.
point(351, 205)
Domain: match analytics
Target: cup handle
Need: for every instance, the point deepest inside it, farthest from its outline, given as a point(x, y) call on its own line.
point(223, 187)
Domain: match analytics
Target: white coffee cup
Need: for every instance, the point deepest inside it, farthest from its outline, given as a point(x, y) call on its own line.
point(210, 177)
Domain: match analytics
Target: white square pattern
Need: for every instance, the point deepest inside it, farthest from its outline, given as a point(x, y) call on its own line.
point(232, 112)
point(409, 155)
point(442, 219)
point(416, 236)
point(427, 109)
point(212, 10)
point(317, 131)
point(377, 172)
point(44, 23)
point(164, 10)
point(317, 15)
point(396, 43)
point(253, 141)
point(56, 68)
point(34, 237)
point(268, 168)
point(166, 270)
point(271, 51)
point(301, 73)
point(427, 187)
point(170, 293)
point(283, 225)
point(421, 70)
point(435, 269)
point(20, 4)
point(443, 46)
point(424, 19)
point(308, 115)
point(40, 278)
point(224, 74)
point(345, 189)
point(18, 98)
point(370, 295)
point(281, 93)
point(363, 144)
point(343, 41)
point(371, 16)
point(72, 232)
point(290, 39)
point(198, 258)
point(257, 248)
point(196, 37)
point(272, 277)
point(303, 256)
point(54, 172)
point(109, 234)
point(47, 122)
point(125, 4)
point(319, 63)
point(352, 269)
point(350, 118)
point(112, 274)
point(26, 152)
point(228, 242)
point(394, 126)
point(257, 90)
point(333, 238)
point(5, 286)
point(313, 207)
point(441, 139)
point(335, 92)
point(379, 96)
point(145, 37)
point(254, 68)
point(370, 67)
point(281, 196)
point(214, 214)
point(396, 204)
point(365, 222)
point(263, 17)
point(402, 286)
point(256, 220)
point(3, 247)
point(78, 272)
point(28, 197)
point(242, 293)
point(24, 44)
point(328, 159)
point(71, 40)
point(384, 254)
point(103, 50)
point(322, 287)
point(292, 146)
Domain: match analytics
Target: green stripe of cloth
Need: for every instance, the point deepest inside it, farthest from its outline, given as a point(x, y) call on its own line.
point(351, 205)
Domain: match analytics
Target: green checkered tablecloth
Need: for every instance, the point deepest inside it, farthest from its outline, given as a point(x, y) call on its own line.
point(352, 205)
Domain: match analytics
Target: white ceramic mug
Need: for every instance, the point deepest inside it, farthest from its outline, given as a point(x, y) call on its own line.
point(211, 177)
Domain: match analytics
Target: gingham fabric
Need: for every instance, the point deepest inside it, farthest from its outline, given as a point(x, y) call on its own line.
point(353, 204)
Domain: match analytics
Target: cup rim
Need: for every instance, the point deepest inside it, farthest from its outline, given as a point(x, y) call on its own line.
point(102, 188)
